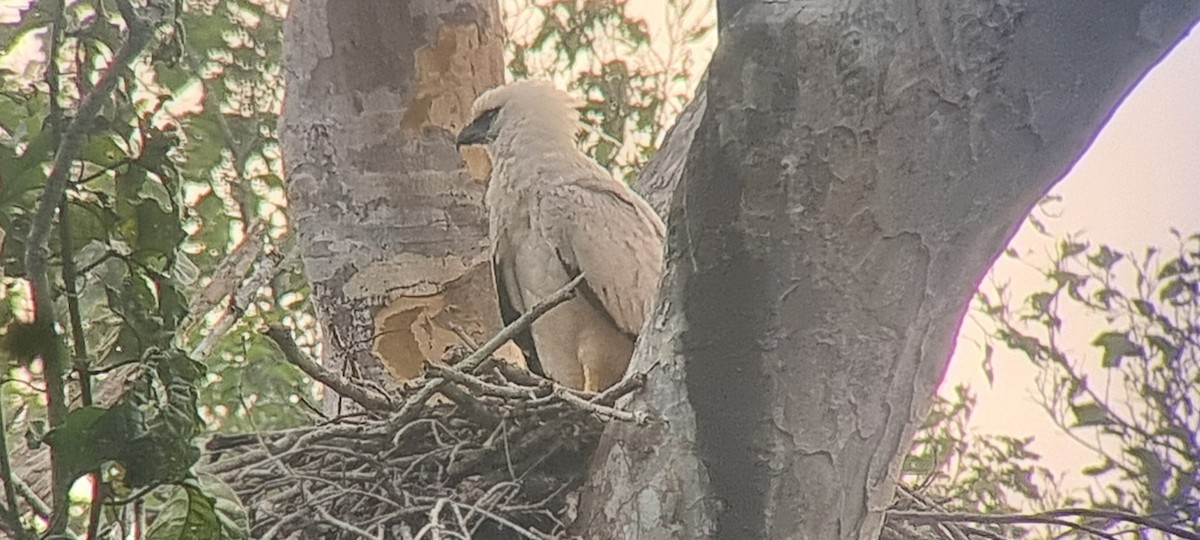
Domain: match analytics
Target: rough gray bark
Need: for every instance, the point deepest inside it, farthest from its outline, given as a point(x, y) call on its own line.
point(392, 228)
point(858, 167)
point(657, 181)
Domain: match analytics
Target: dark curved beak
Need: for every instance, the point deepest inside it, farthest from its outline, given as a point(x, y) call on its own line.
point(472, 134)
point(479, 131)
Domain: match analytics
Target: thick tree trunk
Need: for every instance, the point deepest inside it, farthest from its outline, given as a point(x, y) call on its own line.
point(392, 229)
point(857, 168)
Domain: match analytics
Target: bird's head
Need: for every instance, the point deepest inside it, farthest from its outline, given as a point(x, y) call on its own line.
point(533, 107)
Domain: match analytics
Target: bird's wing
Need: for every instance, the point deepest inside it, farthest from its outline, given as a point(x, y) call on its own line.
point(604, 230)
point(508, 291)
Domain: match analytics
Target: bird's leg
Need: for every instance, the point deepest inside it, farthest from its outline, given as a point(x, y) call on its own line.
point(590, 384)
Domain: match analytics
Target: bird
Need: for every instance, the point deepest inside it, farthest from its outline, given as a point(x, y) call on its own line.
point(554, 213)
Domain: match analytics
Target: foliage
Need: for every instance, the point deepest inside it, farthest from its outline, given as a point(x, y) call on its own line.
point(178, 166)
point(1134, 402)
point(982, 473)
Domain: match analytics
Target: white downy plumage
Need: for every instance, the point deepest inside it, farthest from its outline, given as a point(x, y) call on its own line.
point(553, 213)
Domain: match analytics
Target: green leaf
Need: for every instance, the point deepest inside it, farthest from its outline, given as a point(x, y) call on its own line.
point(172, 304)
point(1090, 414)
point(189, 514)
point(152, 190)
point(1169, 350)
point(184, 271)
point(1026, 344)
point(1146, 309)
point(1173, 291)
point(1153, 471)
point(1172, 267)
point(1071, 249)
point(988, 366)
point(175, 78)
point(1116, 346)
point(1097, 470)
point(1041, 302)
point(103, 150)
point(74, 441)
point(1105, 258)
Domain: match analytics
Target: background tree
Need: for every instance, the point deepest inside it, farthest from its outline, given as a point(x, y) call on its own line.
point(391, 227)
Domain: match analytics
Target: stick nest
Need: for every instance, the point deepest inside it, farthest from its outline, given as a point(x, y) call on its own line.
point(480, 449)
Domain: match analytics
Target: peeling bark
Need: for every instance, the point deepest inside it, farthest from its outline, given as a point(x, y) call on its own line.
point(391, 226)
point(855, 172)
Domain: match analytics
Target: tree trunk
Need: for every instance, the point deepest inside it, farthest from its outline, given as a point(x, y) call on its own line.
point(855, 172)
point(391, 227)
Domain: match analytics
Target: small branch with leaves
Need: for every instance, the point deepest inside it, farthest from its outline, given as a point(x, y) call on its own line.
point(1092, 522)
point(70, 142)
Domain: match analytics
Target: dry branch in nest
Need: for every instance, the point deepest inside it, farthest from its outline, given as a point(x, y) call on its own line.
point(475, 448)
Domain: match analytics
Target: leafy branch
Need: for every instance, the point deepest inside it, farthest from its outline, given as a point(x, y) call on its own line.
point(1072, 518)
point(54, 356)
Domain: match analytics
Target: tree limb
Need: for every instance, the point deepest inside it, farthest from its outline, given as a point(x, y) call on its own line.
point(367, 398)
point(240, 300)
point(475, 359)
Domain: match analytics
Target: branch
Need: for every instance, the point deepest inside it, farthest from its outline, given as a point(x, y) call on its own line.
point(38, 244)
point(13, 512)
point(475, 359)
point(240, 301)
point(39, 506)
point(80, 364)
point(521, 324)
point(639, 418)
point(367, 398)
point(1053, 517)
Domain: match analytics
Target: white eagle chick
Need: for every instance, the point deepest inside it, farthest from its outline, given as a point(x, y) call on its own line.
point(552, 214)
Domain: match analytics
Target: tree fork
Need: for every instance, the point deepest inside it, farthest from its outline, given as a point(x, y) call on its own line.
point(853, 175)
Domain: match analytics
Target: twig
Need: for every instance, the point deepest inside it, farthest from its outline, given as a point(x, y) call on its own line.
point(514, 374)
point(226, 277)
point(435, 463)
point(944, 529)
point(1053, 517)
point(595, 408)
point(470, 407)
point(13, 512)
point(39, 506)
point(343, 525)
point(80, 360)
point(610, 395)
point(79, 341)
point(367, 398)
point(473, 361)
point(240, 301)
point(501, 520)
point(521, 324)
point(481, 386)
